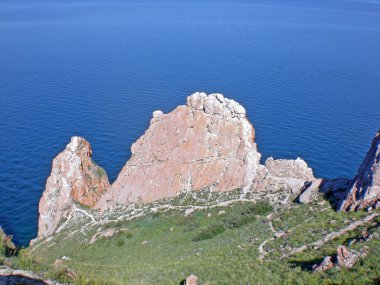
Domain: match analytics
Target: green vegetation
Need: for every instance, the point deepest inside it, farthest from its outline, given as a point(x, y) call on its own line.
point(100, 171)
point(247, 214)
point(209, 232)
point(220, 248)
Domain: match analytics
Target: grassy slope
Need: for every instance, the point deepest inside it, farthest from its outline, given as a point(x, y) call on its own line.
point(230, 257)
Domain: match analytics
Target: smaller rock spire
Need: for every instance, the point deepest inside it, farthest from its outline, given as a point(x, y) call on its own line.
point(364, 190)
point(74, 177)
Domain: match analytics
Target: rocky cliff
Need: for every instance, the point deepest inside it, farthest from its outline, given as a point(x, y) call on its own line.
point(209, 143)
point(364, 190)
point(206, 144)
point(74, 178)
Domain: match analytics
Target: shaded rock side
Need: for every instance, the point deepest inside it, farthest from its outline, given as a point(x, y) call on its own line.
point(364, 190)
point(74, 178)
point(208, 143)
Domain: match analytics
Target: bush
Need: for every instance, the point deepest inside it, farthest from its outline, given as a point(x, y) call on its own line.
point(236, 221)
point(258, 208)
point(209, 232)
point(120, 242)
point(247, 214)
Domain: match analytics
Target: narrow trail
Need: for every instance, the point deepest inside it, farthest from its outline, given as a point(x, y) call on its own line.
point(333, 235)
point(262, 252)
point(316, 244)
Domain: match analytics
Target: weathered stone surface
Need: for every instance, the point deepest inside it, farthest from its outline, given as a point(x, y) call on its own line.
point(209, 143)
point(282, 174)
point(326, 264)
point(364, 190)
point(307, 195)
point(345, 257)
point(74, 177)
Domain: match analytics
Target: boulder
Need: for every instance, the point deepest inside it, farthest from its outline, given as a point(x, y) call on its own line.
point(307, 195)
point(326, 264)
point(74, 178)
point(364, 190)
point(192, 280)
point(345, 257)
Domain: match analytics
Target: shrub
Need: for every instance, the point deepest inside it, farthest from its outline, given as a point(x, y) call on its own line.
point(209, 232)
point(236, 221)
point(258, 208)
point(120, 242)
point(247, 214)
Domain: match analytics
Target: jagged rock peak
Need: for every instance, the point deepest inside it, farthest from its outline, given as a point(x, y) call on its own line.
point(74, 177)
point(364, 190)
point(215, 104)
point(207, 143)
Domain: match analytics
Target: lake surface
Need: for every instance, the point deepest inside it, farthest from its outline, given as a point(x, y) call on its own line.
point(308, 73)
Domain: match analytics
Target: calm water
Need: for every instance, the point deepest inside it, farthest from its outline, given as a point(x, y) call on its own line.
point(308, 72)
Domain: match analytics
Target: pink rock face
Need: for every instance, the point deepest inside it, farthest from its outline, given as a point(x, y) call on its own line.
point(74, 177)
point(209, 143)
point(282, 174)
point(365, 188)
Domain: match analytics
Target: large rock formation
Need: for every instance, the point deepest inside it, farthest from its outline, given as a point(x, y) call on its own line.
point(74, 177)
point(206, 144)
point(209, 143)
point(364, 190)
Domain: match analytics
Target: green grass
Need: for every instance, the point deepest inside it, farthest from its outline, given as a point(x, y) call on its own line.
point(209, 232)
point(160, 248)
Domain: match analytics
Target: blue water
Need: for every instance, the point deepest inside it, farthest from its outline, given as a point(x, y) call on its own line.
point(308, 72)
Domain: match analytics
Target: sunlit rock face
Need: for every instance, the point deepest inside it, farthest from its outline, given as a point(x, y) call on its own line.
point(364, 190)
point(207, 143)
point(282, 174)
point(74, 177)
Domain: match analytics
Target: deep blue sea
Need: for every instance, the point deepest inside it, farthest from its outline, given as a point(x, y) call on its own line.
point(308, 73)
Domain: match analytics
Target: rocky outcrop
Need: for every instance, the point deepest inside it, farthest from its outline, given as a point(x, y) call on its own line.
point(7, 247)
point(364, 190)
point(326, 264)
point(207, 144)
point(345, 257)
point(282, 174)
point(74, 178)
point(308, 195)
